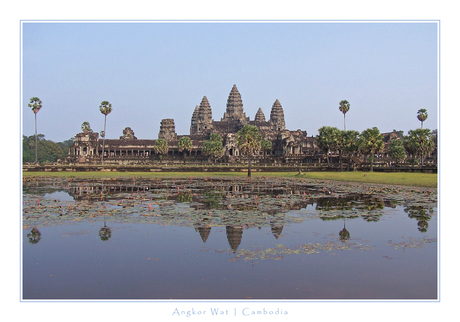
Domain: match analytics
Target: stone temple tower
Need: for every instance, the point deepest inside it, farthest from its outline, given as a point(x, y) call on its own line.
point(277, 117)
point(204, 122)
point(234, 110)
point(260, 117)
point(167, 130)
point(194, 122)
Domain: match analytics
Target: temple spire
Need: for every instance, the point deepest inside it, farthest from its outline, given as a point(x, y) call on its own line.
point(260, 116)
point(235, 107)
point(194, 121)
point(277, 117)
point(204, 117)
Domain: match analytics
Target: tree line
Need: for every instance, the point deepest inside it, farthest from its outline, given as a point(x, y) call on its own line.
point(419, 143)
point(36, 149)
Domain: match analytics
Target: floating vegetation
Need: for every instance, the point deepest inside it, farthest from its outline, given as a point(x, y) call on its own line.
point(193, 202)
point(280, 251)
point(297, 231)
point(410, 242)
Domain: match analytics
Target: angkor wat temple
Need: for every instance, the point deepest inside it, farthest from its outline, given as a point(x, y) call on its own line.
point(287, 146)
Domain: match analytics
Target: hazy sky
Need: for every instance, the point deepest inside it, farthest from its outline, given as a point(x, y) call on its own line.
point(155, 70)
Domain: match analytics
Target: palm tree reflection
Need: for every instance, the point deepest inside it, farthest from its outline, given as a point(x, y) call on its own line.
point(344, 235)
point(34, 236)
point(422, 214)
point(105, 233)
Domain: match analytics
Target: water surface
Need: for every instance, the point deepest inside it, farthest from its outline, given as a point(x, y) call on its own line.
point(227, 239)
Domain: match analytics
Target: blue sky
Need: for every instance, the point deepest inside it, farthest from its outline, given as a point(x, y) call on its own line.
point(155, 70)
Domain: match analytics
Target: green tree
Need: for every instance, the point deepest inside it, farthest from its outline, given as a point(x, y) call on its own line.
point(397, 151)
point(265, 145)
point(371, 143)
point(215, 137)
point(213, 147)
point(399, 133)
point(420, 143)
point(344, 108)
point(327, 139)
point(85, 127)
point(48, 151)
point(65, 145)
point(28, 149)
point(35, 104)
point(185, 144)
point(248, 140)
point(161, 146)
point(347, 144)
point(422, 115)
point(106, 109)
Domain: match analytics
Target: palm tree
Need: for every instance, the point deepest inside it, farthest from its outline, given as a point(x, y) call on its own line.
point(346, 145)
point(328, 139)
point(184, 145)
point(36, 105)
point(419, 143)
point(266, 145)
point(344, 107)
point(161, 146)
point(105, 109)
point(371, 142)
point(248, 140)
point(396, 150)
point(85, 127)
point(213, 146)
point(422, 115)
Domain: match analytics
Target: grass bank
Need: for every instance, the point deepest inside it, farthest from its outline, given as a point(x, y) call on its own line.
point(396, 178)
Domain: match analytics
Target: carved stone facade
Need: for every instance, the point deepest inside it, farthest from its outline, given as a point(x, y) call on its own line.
point(128, 134)
point(287, 146)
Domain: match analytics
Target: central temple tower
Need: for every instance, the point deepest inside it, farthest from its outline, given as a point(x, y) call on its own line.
point(234, 110)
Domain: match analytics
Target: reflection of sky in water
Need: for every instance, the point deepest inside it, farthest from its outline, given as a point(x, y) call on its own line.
point(164, 261)
point(59, 195)
point(120, 249)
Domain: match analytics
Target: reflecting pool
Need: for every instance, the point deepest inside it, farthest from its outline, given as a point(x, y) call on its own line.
point(221, 238)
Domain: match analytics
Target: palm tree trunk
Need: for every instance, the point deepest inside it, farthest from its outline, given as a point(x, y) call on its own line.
point(341, 162)
point(344, 124)
point(249, 165)
point(103, 141)
point(36, 140)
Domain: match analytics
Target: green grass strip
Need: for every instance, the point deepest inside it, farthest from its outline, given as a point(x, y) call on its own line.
point(429, 180)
